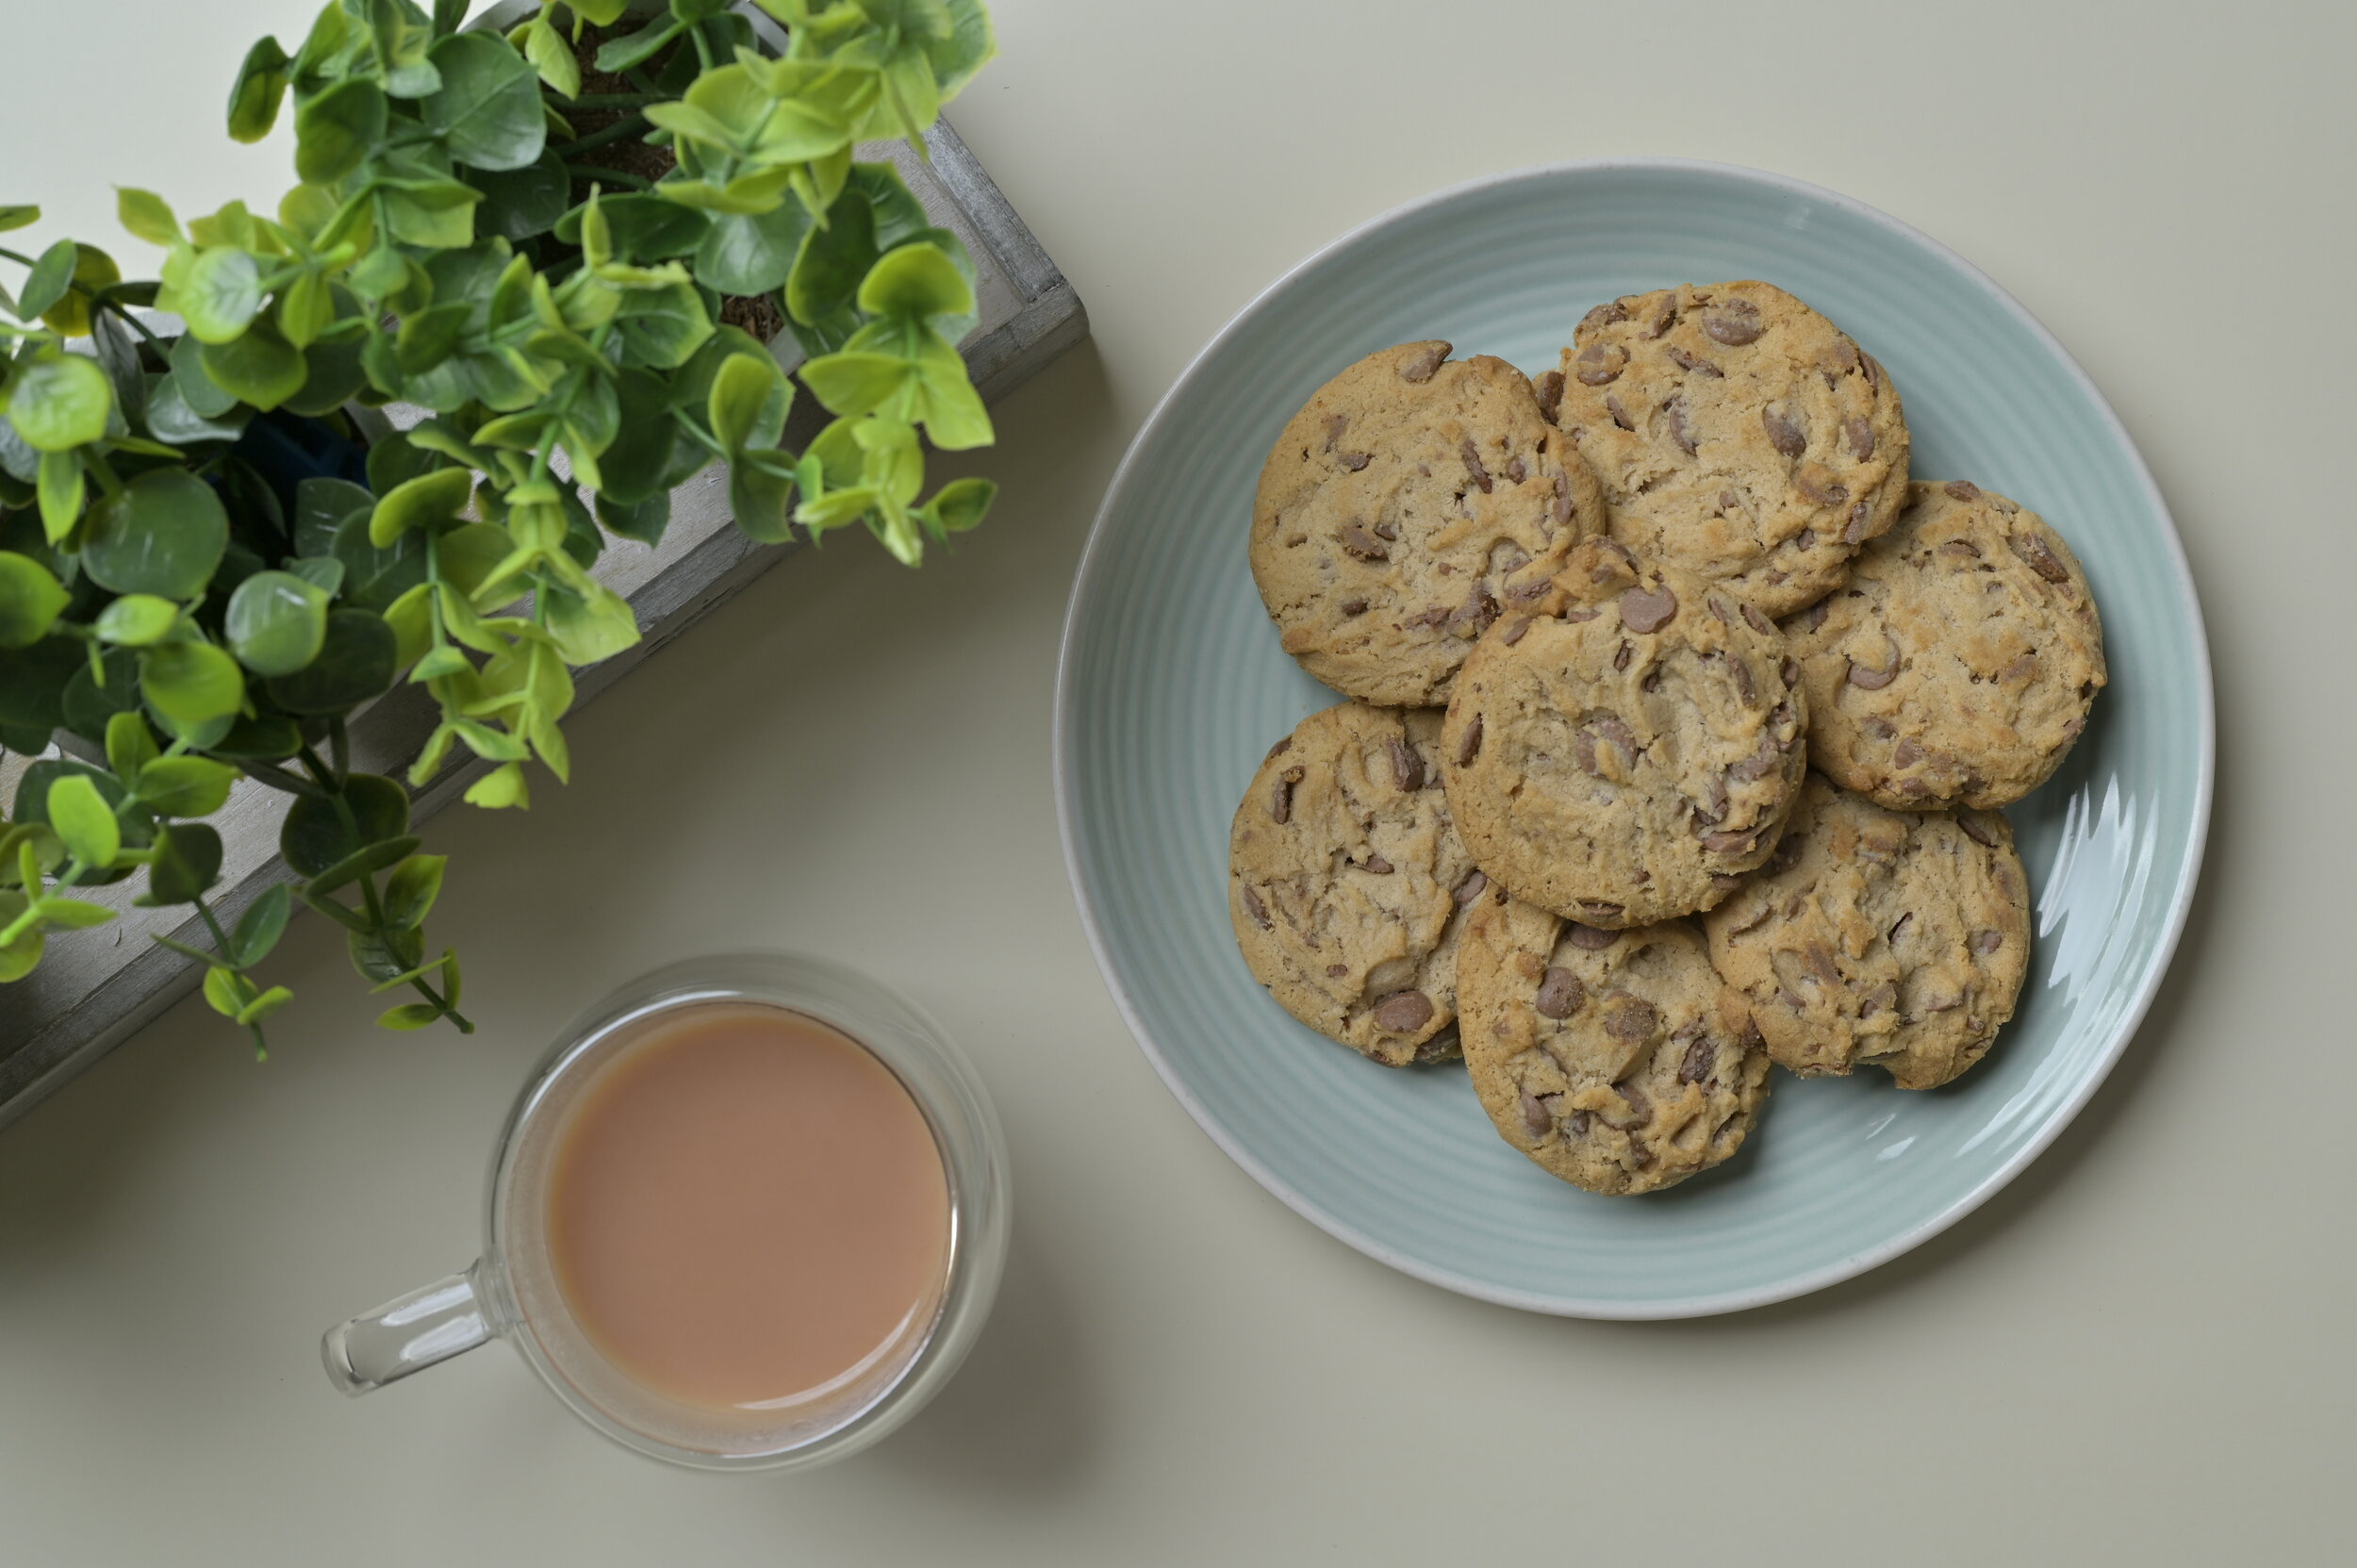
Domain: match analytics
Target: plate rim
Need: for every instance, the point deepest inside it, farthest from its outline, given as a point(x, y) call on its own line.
point(1065, 764)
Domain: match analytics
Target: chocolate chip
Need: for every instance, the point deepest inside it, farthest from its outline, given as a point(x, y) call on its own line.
point(1694, 363)
point(1816, 484)
point(1976, 829)
point(1860, 436)
point(1742, 673)
point(1620, 415)
point(1758, 622)
point(1336, 971)
point(1470, 889)
point(1855, 533)
point(1962, 489)
point(1550, 389)
point(1280, 749)
point(1734, 322)
point(1390, 531)
point(2041, 560)
point(1528, 591)
point(1600, 909)
point(1473, 616)
point(1620, 660)
point(1610, 729)
point(1471, 455)
point(1723, 884)
point(1872, 368)
point(1783, 431)
point(1717, 608)
point(1469, 745)
point(1631, 1018)
point(1357, 541)
point(1600, 364)
point(1642, 612)
point(1420, 366)
point(1961, 548)
point(1281, 798)
point(1354, 461)
point(1590, 938)
point(1536, 1121)
point(1334, 426)
point(1871, 679)
point(1407, 764)
point(1906, 754)
point(1377, 865)
point(1673, 412)
point(1431, 616)
point(1516, 472)
point(1665, 315)
point(1602, 316)
point(1580, 1122)
point(1354, 606)
point(1989, 942)
point(1440, 1048)
point(1700, 1056)
point(1813, 616)
point(1730, 843)
point(1403, 1012)
point(1559, 509)
point(1560, 994)
point(1791, 672)
point(1515, 629)
point(1254, 907)
point(1880, 999)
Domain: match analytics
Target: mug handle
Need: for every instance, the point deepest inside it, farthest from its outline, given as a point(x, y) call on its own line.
point(407, 1334)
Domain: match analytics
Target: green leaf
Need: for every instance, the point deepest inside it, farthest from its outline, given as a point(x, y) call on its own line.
point(322, 505)
point(18, 216)
point(430, 502)
point(33, 682)
point(915, 280)
point(374, 578)
point(430, 336)
point(314, 835)
point(323, 572)
point(31, 599)
point(187, 860)
point(661, 328)
point(960, 505)
point(833, 261)
point(355, 662)
point(588, 630)
point(170, 419)
point(410, 891)
point(130, 745)
point(409, 1015)
point(84, 820)
point(254, 98)
point(371, 857)
point(264, 738)
point(190, 683)
point(383, 954)
point(137, 619)
point(643, 520)
point(22, 956)
point(752, 253)
point(102, 689)
point(260, 365)
point(333, 375)
point(162, 533)
point(851, 384)
point(146, 215)
point(304, 309)
point(60, 402)
point(184, 786)
point(202, 393)
point(227, 992)
point(220, 294)
point(489, 108)
point(335, 129)
point(748, 402)
point(74, 913)
point(62, 491)
point(617, 54)
point(521, 203)
point(259, 927)
point(276, 622)
point(46, 284)
point(93, 270)
point(211, 960)
point(640, 227)
point(263, 1006)
point(553, 57)
point(469, 554)
point(501, 787)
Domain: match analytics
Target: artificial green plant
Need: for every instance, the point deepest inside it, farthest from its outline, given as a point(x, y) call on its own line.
point(464, 239)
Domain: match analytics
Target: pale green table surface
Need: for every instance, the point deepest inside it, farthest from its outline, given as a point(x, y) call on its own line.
point(2139, 1352)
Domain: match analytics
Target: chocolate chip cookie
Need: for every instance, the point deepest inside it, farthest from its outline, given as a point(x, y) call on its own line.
point(1614, 1059)
point(1959, 663)
point(1738, 433)
point(1888, 938)
point(1347, 885)
point(1409, 504)
point(1627, 759)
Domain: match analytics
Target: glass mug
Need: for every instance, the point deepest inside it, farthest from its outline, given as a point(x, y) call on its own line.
point(513, 1291)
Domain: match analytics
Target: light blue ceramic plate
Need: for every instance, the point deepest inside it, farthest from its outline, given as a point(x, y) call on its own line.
point(1173, 685)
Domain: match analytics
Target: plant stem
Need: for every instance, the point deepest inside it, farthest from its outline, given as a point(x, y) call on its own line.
point(600, 175)
point(635, 126)
point(616, 100)
point(221, 944)
point(278, 778)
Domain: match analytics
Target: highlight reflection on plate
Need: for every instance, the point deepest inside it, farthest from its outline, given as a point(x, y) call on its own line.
point(1173, 685)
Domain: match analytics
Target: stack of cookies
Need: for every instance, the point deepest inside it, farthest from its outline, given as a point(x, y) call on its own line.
point(1680, 724)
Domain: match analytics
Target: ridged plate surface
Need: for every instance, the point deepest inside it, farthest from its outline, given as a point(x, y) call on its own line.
point(1173, 685)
